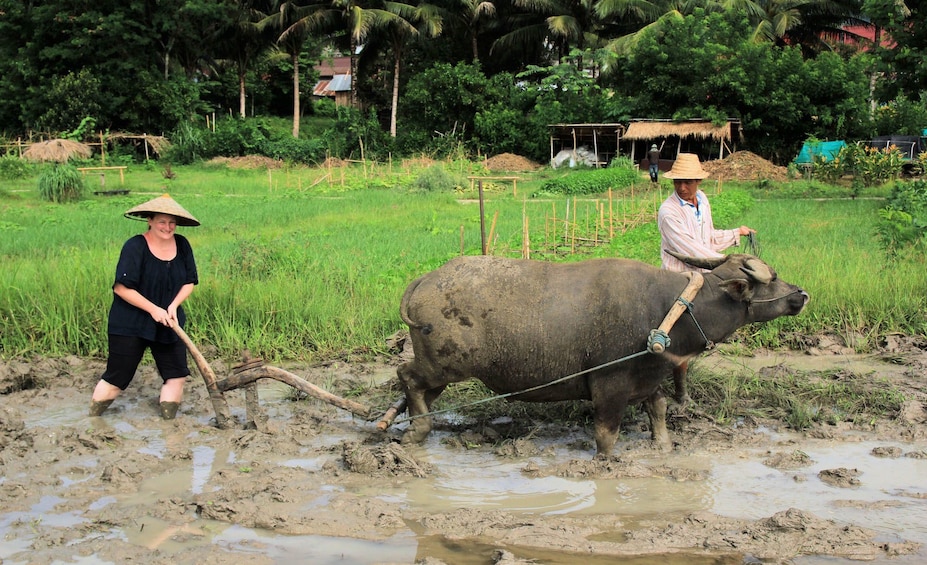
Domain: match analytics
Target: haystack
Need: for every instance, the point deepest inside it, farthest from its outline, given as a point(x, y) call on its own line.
point(58, 150)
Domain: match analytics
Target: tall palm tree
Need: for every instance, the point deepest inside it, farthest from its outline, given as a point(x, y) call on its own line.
point(472, 14)
point(561, 25)
point(399, 27)
point(805, 23)
point(350, 19)
point(288, 18)
point(245, 41)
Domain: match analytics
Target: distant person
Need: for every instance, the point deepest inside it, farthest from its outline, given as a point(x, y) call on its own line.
point(686, 228)
point(156, 272)
point(653, 158)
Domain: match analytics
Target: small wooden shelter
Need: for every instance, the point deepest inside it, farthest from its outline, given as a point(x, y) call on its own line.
point(685, 135)
point(602, 139)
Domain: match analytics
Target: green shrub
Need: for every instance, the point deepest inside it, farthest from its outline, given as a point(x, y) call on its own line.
point(188, 144)
point(436, 178)
point(294, 150)
point(12, 167)
point(61, 183)
point(903, 222)
point(594, 181)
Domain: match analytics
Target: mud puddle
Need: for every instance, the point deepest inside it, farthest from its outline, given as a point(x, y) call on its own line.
point(320, 486)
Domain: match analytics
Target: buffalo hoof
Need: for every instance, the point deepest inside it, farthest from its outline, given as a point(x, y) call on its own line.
point(414, 435)
point(676, 409)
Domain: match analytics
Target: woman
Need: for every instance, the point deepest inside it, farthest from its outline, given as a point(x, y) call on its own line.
point(155, 274)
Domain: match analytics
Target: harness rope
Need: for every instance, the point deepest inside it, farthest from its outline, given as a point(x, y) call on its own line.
point(657, 342)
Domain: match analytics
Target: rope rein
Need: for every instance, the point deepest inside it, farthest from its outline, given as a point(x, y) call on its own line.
point(657, 342)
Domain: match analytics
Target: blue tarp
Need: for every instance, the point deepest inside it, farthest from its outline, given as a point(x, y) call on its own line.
point(827, 149)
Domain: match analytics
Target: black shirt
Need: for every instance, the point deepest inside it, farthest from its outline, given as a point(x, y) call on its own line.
point(157, 280)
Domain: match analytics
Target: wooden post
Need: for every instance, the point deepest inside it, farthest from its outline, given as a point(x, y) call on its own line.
point(482, 222)
point(145, 138)
point(102, 151)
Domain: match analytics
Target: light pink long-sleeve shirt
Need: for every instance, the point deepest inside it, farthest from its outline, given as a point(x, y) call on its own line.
point(690, 231)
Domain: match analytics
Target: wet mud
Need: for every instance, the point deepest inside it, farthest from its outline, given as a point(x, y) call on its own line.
point(315, 484)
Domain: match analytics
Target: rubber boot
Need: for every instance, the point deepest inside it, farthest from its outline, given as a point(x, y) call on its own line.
point(169, 410)
point(97, 407)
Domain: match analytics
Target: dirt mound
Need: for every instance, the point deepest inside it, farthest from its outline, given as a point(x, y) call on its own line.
point(511, 162)
point(743, 166)
point(247, 162)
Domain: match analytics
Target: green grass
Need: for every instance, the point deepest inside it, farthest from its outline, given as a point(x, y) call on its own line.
point(305, 264)
point(799, 399)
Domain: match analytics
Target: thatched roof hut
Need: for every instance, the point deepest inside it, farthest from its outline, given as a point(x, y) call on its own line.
point(158, 143)
point(725, 135)
point(57, 150)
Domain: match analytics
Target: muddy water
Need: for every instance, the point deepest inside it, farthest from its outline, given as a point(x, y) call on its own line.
point(890, 498)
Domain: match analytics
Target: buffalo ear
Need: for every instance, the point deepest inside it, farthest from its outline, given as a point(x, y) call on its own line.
point(738, 289)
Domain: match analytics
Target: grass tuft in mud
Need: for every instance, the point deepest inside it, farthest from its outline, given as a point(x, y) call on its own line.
point(800, 399)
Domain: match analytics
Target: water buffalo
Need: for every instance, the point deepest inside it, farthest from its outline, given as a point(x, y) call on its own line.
point(516, 324)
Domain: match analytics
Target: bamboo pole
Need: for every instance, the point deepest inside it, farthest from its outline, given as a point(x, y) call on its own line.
point(573, 232)
point(492, 230)
point(611, 221)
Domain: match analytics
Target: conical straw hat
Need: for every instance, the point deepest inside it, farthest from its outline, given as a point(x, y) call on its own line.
point(163, 204)
point(687, 167)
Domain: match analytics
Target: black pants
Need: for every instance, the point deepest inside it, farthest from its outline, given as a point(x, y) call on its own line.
point(125, 353)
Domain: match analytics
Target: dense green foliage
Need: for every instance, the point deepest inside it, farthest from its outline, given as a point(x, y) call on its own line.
point(472, 80)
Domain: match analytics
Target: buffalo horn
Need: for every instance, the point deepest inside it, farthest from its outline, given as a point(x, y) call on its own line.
point(757, 270)
point(700, 262)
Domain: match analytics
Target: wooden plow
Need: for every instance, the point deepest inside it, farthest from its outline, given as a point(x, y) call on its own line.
point(246, 375)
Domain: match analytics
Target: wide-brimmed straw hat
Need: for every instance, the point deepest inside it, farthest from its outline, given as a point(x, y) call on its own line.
point(163, 204)
point(687, 167)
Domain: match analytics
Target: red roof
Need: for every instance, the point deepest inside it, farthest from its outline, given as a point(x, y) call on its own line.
point(334, 66)
point(868, 32)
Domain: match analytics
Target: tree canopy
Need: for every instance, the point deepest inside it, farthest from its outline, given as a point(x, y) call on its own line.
point(488, 75)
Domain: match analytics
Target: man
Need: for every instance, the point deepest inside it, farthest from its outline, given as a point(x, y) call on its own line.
point(686, 228)
point(653, 158)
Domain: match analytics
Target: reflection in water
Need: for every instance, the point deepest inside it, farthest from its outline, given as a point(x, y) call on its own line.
point(896, 486)
point(318, 550)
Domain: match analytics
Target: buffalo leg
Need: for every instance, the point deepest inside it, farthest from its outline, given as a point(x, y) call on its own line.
point(418, 400)
point(656, 409)
point(607, 421)
point(680, 373)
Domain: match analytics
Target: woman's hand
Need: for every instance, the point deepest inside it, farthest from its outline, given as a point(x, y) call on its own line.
point(162, 316)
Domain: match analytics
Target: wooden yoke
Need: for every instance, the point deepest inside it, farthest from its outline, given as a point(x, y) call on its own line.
point(656, 344)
